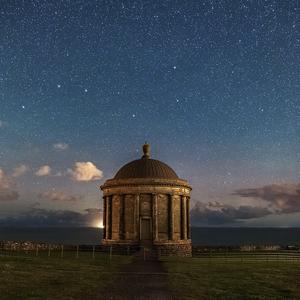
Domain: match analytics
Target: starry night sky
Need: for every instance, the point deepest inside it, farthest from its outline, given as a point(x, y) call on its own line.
point(212, 86)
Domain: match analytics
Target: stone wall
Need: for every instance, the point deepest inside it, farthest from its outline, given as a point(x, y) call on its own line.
point(184, 249)
point(199, 249)
point(21, 246)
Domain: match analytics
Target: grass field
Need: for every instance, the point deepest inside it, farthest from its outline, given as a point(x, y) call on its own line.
point(28, 276)
point(194, 278)
point(234, 276)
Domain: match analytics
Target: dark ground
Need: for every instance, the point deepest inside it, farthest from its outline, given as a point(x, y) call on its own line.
point(142, 279)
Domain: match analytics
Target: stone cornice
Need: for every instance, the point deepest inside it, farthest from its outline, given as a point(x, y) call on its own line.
point(112, 183)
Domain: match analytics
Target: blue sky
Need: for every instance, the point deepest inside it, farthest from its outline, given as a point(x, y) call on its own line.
point(212, 86)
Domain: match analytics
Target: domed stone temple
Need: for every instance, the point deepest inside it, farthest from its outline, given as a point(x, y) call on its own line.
point(147, 204)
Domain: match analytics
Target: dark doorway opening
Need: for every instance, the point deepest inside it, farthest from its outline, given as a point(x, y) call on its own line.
point(145, 239)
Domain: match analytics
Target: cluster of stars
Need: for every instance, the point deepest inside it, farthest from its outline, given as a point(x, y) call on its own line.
point(213, 86)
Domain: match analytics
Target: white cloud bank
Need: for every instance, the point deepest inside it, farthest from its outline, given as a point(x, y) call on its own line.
point(85, 171)
point(19, 171)
point(8, 182)
point(43, 171)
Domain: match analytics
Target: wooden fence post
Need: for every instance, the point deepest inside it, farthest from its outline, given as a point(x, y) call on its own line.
point(62, 251)
point(77, 251)
point(49, 250)
point(93, 252)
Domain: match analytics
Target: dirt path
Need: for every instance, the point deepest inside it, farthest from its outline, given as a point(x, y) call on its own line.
point(142, 279)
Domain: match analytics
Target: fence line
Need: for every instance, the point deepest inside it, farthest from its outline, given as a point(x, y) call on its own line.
point(203, 254)
point(248, 256)
point(60, 250)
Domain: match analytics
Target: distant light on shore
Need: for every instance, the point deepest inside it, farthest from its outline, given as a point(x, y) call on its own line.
point(100, 225)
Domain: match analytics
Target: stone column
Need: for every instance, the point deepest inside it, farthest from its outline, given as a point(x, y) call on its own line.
point(171, 218)
point(104, 218)
point(108, 217)
point(154, 217)
point(122, 217)
point(188, 217)
point(183, 218)
point(137, 218)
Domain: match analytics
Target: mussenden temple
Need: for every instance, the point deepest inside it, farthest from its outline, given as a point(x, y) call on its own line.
point(147, 204)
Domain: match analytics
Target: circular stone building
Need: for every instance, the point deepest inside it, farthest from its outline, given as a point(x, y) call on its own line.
point(146, 204)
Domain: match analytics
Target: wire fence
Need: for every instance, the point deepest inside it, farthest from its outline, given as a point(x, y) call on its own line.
point(248, 256)
point(59, 250)
point(203, 254)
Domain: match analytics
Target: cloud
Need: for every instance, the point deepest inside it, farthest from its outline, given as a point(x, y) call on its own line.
point(50, 218)
point(60, 196)
point(19, 171)
point(43, 171)
point(85, 171)
point(216, 204)
point(246, 212)
point(1, 124)
point(60, 146)
point(6, 183)
point(8, 196)
point(284, 197)
point(93, 211)
point(33, 205)
point(202, 214)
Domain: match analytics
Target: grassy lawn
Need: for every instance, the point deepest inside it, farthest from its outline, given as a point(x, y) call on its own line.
point(192, 278)
point(27, 276)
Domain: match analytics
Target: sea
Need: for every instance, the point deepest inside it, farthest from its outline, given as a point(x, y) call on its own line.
point(201, 236)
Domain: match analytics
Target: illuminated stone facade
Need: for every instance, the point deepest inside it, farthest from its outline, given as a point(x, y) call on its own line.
point(146, 204)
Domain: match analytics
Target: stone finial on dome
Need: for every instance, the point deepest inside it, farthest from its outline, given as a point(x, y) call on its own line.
point(146, 149)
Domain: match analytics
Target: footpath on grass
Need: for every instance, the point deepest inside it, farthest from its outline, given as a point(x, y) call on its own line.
point(145, 278)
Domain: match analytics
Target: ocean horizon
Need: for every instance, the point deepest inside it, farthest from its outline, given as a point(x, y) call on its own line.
point(201, 236)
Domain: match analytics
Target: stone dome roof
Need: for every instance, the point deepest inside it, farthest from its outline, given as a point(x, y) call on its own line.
point(146, 168)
